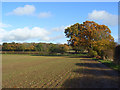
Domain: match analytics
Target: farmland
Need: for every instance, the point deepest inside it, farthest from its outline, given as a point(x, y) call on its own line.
point(26, 71)
point(36, 71)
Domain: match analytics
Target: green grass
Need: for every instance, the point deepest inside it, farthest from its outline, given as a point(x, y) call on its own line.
point(26, 71)
point(110, 64)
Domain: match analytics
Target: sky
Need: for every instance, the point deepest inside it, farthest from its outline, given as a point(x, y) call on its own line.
point(46, 21)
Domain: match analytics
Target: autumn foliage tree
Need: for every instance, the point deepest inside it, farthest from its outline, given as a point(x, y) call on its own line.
point(89, 34)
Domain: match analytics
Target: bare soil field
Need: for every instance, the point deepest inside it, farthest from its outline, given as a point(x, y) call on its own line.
point(25, 71)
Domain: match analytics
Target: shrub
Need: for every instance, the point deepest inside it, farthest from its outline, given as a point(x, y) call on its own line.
point(117, 55)
point(92, 53)
point(98, 57)
point(107, 54)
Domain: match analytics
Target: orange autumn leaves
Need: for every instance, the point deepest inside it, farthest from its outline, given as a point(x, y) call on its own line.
point(88, 34)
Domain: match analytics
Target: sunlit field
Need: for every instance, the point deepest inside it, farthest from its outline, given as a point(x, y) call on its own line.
point(25, 71)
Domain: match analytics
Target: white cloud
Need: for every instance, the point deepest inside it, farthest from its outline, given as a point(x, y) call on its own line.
point(26, 10)
point(29, 10)
point(23, 34)
point(44, 15)
point(103, 16)
point(64, 42)
point(1, 43)
point(4, 25)
point(61, 36)
point(61, 28)
point(115, 38)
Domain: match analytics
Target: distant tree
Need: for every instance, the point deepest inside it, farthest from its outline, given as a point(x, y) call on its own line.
point(42, 47)
point(5, 47)
point(20, 47)
point(54, 48)
point(63, 48)
point(39, 47)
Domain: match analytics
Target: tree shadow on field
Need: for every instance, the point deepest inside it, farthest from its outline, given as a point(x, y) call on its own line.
point(91, 65)
point(93, 75)
point(79, 56)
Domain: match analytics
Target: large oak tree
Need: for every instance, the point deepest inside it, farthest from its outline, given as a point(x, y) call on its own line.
point(89, 34)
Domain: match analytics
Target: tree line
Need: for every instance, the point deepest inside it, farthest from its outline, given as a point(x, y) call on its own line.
point(40, 47)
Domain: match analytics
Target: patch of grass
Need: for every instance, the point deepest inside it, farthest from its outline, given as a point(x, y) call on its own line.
point(52, 54)
point(13, 54)
point(95, 59)
point(110, 64)
point(59, 54)
point(81, 54)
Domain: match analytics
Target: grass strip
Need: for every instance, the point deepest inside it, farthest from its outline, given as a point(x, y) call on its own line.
point(110, 64)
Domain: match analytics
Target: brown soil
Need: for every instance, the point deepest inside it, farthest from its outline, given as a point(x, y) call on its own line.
point(93, 74)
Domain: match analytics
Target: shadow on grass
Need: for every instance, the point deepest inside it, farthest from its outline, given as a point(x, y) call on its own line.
point(93, 75)
point(96, 59)
point(79, 56)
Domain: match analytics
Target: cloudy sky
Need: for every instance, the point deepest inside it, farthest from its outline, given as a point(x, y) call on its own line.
point(46, 21)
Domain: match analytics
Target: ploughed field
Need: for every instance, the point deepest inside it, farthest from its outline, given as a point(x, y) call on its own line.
point(25, 71)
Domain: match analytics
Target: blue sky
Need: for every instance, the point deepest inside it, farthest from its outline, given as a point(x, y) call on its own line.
point(45, 21)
